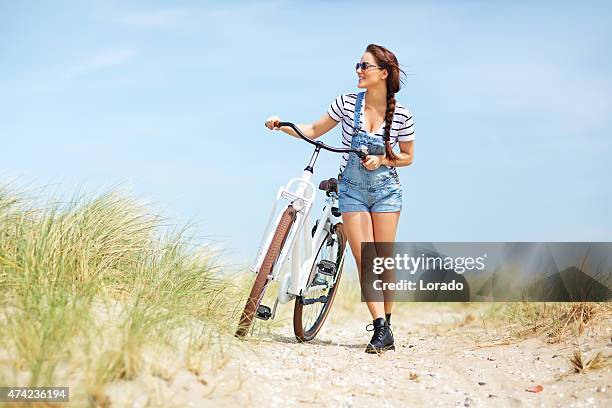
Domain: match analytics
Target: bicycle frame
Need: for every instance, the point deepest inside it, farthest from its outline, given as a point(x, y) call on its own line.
point(301, 245)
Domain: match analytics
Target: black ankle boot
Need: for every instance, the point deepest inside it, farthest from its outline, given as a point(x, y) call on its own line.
point(382, 339)
point(388, 323)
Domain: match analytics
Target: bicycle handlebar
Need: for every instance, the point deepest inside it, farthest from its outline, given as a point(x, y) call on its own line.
point(361, 153)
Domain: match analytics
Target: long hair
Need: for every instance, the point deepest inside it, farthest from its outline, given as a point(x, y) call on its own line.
point(387, 60)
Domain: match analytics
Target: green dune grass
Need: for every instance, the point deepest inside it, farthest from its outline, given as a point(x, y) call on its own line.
point(93, 289)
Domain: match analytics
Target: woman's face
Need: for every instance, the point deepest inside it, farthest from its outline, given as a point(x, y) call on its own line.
point(371, 76)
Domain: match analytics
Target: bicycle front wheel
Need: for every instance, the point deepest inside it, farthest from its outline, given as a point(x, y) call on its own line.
point(263, 276)
point(311, 309)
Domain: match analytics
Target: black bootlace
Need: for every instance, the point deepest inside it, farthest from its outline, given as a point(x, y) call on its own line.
point(378, 331)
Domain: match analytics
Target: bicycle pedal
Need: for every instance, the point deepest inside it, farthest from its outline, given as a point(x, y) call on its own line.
point(263, 312)
point(326, 267)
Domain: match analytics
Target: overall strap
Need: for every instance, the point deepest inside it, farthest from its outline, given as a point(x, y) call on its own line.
point(358, 112)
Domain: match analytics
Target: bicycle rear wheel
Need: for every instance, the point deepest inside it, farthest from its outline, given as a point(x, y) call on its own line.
point(263, 276)
point(311, 310)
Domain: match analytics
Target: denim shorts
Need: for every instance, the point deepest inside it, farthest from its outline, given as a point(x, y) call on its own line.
point(386, 197)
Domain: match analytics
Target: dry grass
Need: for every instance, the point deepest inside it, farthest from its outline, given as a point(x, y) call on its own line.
point(580, 364)
point(555, 321)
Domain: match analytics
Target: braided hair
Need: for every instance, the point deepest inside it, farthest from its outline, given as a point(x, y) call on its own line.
point(387, 60)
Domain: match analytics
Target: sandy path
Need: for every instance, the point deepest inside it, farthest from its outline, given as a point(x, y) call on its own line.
point(437, 363)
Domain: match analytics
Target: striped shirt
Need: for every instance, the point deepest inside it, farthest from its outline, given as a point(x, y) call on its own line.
point(342, 109)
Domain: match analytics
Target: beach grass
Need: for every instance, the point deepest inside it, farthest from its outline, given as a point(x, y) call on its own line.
point(93, 288)
point(554, 321)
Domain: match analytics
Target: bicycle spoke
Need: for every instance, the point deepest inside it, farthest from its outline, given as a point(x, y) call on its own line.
point(312, 312)
point(312, 308)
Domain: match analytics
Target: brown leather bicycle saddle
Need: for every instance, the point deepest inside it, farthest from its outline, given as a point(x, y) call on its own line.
point(330, 185)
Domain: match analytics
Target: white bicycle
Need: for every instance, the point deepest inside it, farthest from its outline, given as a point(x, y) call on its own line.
point(314, 253)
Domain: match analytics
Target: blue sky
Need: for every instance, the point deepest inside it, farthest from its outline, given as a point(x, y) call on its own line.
point(512, 105)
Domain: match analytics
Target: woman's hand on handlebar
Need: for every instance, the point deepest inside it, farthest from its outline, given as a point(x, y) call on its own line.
point(272, 122)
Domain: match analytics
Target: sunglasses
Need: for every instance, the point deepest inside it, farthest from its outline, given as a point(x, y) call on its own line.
point(365, 65)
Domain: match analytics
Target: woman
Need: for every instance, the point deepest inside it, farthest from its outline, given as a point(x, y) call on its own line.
point(369, 191)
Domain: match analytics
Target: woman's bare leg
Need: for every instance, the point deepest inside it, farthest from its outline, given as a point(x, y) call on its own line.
point(358, 228)
point(384, 225)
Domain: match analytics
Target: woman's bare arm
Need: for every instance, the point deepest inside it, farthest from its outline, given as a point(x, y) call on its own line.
point(311, 131)
point(405, 157)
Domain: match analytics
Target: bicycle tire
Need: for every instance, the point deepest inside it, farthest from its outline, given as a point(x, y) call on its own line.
point(308, 334)
point(262, 279)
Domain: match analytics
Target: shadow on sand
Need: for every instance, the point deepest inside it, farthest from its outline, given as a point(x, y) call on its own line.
point(279, 338)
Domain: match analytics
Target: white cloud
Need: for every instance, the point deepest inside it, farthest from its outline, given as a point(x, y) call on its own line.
point(100, 61)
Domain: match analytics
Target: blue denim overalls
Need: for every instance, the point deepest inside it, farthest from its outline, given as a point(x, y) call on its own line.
point(361, 189)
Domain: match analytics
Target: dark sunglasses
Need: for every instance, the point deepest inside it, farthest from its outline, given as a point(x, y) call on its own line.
point(365, 65)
